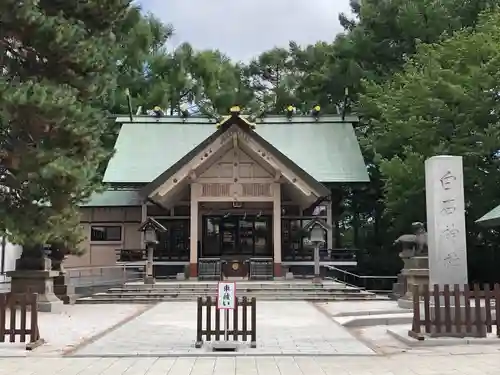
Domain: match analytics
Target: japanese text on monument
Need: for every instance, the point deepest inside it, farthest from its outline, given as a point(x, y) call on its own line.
point(448, 218)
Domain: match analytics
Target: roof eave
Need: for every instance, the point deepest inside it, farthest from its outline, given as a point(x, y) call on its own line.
point(153, 185)
point(490, 219)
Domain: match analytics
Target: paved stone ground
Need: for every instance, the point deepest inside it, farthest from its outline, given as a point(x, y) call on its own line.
point(72, 326)
point(405, 364)
point(290, 328)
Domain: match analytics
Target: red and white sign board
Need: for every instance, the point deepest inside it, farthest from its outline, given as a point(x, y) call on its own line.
point(226, 295)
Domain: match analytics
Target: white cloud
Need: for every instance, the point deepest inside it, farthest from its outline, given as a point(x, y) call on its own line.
point(242, 29)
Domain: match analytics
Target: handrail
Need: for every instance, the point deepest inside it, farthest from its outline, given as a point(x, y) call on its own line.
point(358, 276)
point(375, 284)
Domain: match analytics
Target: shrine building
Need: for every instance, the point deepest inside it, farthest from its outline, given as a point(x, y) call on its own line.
point(233, 194)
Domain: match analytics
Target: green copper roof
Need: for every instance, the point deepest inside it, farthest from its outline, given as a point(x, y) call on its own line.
point(115, 198)
point(491, 219)
point(327, 149)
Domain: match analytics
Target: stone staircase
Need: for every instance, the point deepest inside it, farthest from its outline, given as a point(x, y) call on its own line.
point(262, 290)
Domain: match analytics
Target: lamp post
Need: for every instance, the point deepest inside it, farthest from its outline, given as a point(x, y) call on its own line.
point(150, 228)
point(317, 229)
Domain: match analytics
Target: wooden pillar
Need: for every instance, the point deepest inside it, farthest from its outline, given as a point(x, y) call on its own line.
point(144, 217)
point(148, 266)
point(336, 199)
point(329, 221)
point(277, 229)
point(193, 242)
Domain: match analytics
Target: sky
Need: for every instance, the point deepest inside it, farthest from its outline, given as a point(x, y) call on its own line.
point(243, 29)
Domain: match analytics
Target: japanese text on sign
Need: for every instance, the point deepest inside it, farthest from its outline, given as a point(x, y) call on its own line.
point(226, 295)
point(449, 232)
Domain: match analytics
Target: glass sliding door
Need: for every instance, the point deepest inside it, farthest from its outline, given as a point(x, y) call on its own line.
point(246, 238)
point(174, 243)
point(263, 237)
point(249, 235)
point(229, 236)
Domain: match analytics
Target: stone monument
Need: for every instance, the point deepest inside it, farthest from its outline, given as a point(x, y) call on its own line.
point(446, 220)
point(34, 274)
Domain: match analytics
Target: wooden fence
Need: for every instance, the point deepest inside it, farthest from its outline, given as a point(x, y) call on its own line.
point(19, 306)
point(457, 312)
point(238, 321)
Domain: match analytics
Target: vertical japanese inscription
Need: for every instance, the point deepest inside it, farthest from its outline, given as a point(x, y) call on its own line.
point(226, 298)
point(449, 233)
point(226, 295)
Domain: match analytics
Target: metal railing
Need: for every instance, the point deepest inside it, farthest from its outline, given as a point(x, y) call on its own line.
point(261, 268)
point(307, 254)
point(137, 255)
point(88, 279)
point(376, 284)
point(209, 268)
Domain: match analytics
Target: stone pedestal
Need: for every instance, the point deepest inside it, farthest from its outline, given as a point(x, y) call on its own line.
point(416, 272)
point(37, 281)
point(63, 289)
point(398, 288)
point(149, 275)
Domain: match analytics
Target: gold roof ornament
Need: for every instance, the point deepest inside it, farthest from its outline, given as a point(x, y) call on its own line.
point(235, 110)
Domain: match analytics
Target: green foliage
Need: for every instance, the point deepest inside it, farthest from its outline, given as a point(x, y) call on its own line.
point(58, 61)
point(445, 101)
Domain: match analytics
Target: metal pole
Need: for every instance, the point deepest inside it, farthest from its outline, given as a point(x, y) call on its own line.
point(226, 322)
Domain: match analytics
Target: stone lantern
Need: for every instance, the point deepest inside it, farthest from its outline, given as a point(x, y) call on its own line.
point(150, 228)
point(316, 229)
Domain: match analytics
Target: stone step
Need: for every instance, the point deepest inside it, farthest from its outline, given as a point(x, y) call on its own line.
point(252, 290)
point(147, 300)
point(213, 295)
point(138, 292)
point(239, 285)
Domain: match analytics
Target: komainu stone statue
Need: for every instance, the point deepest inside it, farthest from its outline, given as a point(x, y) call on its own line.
point(413, 244)
point(414, 253)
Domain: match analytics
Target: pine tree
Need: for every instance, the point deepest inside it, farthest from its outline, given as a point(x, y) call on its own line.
point(57, 61)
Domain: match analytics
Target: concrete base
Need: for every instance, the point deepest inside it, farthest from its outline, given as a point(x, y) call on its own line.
point(403, 337)
point(193, 270)
point(40, 282)
point(277, 270)
point(462, 332)
point(405, 303)
point(64, 290)
point(225, 346)
point(317, 280)
point(381, 320)
point(149, 280)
